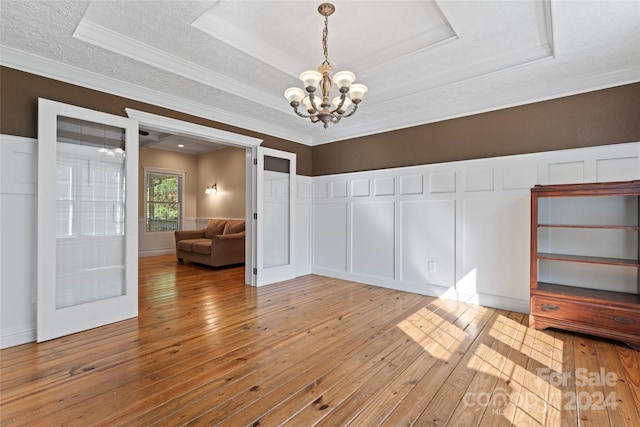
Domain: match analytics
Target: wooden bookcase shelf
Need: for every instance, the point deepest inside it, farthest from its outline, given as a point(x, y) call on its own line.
point(584, 307)
point(589, 259)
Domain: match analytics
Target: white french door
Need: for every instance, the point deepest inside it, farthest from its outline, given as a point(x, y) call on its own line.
point(276, 216)
point(87, 219)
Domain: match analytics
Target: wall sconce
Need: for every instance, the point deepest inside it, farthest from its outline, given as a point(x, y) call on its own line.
point(211, 189)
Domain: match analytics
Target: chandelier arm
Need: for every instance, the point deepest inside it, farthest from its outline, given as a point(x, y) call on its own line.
point(312, 98)
point(304, 116)
point(343, 97)
point(353, 111)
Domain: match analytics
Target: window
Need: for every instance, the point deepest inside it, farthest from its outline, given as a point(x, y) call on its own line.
point(163, 193)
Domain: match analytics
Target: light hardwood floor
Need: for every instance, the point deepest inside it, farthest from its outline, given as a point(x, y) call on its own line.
point(208, 350)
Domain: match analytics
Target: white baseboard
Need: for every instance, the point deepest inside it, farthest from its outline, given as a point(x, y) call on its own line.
point(156, 252)
point(17, 337)
point(493, 301)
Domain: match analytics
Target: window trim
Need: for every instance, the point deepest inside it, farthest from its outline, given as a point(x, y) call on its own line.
point(152, 170)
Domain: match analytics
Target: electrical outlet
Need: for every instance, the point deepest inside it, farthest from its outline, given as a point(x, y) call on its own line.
point(431, 265)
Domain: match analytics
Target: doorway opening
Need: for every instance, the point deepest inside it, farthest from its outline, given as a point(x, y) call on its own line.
point(204, 138)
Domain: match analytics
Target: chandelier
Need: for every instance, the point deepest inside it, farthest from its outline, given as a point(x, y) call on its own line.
point(320, 109)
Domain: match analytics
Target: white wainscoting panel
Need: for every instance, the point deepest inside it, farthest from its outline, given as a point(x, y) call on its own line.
point(19, 174)
point(442, 182)
point(360, 188)
point(18, 227)
point(339, 189)
point(622, 169)
point(320, 190)
point(478, 180)
point(495, 253)
point(384, 187)
point(330, 236)
point(303, 225)
point(372, 237)
point(519, 178)
point(411, 184)
point(566, 173)
point(472, 223)
point(428, 242)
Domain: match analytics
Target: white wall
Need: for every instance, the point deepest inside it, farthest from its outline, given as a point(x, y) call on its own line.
point(18, 225)
point(459, 230)
point(470, 218)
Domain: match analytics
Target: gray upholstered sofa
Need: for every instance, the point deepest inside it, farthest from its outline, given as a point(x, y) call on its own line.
point(220, 243)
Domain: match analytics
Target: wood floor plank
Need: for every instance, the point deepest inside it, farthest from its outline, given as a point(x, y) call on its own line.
point(587, 359)
point(616, 388)
point(517, 410)
point(208, 350)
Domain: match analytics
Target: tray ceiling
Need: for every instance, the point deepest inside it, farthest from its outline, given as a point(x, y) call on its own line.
point(423, 61)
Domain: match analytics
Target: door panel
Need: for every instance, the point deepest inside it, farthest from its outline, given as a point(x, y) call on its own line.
point(276, 220)
point(87, 219)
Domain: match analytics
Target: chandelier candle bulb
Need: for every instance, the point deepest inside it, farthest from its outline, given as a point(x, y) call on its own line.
point(319, 107)
point(357, 91)
point(344, 79)
point(310, 79)
point(294, 94)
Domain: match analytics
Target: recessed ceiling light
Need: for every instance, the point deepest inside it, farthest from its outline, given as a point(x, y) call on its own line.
point(180, 145)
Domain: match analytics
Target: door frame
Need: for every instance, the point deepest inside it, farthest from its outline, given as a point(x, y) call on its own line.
point(250, 144)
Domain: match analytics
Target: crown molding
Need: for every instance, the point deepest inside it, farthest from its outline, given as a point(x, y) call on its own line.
point(46, 67)
point(97, 35)
point(621, 77)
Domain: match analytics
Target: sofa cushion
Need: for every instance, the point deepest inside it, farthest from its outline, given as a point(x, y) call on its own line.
point(214, 227)
point(203, 248)
point(234, 226)
point(231, 236)
point(187, 244)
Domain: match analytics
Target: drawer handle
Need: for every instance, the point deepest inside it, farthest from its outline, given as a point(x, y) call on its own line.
point(549, 307)
point(621, 319)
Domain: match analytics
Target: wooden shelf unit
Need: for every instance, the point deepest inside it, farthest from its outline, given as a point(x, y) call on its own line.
point(576, 306)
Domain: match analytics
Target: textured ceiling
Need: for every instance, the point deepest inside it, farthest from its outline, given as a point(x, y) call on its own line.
point(423, 61)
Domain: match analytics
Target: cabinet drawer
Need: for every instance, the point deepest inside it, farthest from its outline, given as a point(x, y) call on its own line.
point(614, 318)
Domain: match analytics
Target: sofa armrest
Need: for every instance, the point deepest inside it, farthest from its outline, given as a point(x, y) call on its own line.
point(188, 234)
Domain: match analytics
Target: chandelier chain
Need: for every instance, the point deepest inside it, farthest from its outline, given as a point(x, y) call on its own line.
point(325, 37)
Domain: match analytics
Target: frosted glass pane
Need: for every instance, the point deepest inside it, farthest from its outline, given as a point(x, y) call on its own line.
point(276, 214)
point(90, 241)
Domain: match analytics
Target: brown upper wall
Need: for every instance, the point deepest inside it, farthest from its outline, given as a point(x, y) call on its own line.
point(19, 110)
point(608, 116)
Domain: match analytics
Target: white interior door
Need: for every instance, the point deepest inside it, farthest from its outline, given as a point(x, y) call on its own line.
point(276, 219)
point(87, 219)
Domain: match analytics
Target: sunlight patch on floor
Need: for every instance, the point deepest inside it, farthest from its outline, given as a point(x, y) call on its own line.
point(434, 334)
